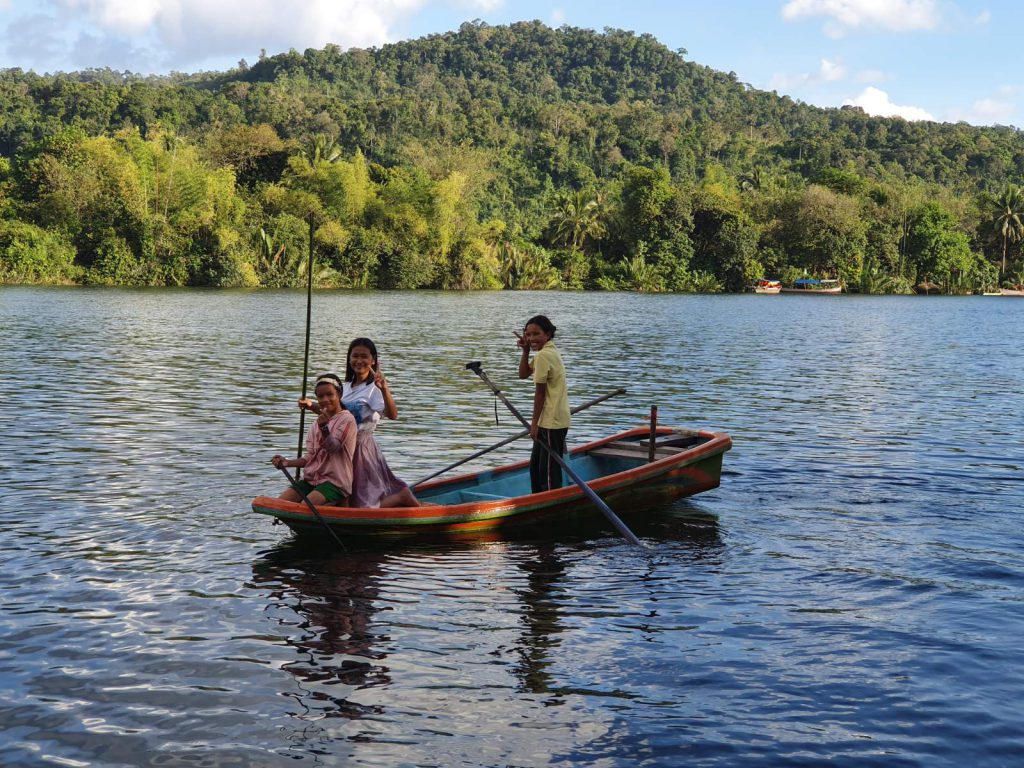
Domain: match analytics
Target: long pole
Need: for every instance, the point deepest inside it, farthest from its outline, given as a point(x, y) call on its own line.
point(312, 507)
point(305, 356)
point(587, 490)
point(514, 437)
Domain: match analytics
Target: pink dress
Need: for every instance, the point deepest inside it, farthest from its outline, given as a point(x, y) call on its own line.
point(372, 478)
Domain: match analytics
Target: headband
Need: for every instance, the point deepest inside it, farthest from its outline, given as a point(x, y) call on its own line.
point(332, 380)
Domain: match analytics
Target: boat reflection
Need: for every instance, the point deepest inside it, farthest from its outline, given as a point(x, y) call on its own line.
point(327, 603)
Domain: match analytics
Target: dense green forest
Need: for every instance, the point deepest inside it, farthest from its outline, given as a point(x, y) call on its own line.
point(492, 157)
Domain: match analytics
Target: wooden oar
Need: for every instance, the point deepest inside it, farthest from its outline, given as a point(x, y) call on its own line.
point(514, 437)
point(312, 507)
point(587, 490)
point(305, 357)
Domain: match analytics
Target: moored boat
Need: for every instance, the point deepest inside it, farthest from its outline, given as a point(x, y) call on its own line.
point(767, 286)
point(1015, 291)
point(813, 286)
point(619, 469)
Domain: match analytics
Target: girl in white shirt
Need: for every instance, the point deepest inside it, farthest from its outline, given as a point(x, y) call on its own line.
point(366, 395)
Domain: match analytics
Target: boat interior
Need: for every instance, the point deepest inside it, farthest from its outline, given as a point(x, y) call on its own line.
point(600, 461)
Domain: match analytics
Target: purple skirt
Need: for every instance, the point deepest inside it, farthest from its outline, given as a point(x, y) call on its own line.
point(372, 478)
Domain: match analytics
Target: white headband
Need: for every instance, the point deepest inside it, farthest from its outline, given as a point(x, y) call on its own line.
point(327, 380)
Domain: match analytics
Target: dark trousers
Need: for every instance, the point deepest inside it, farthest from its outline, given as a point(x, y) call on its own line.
point(545, 472)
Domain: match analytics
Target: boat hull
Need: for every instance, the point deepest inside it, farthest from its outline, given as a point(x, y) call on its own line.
point(637, 485)
point(809, 291)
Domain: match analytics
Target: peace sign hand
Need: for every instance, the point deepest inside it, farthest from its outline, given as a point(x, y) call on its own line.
point(378, 378)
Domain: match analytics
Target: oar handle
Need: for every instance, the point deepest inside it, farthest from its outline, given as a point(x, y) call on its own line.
point(475, 367)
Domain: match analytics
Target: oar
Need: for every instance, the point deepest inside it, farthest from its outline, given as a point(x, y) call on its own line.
point(587, 490)
point(305, 357)
point(305, 498)
point(514, 437)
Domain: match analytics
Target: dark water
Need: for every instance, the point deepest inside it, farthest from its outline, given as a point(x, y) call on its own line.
point(852, 594)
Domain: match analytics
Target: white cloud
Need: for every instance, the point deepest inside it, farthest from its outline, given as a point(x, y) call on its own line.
point(557, 17)
point(831, 71)
point(131, 17)
point(983, 18)
point(828, 72)
point(998, 110)
point(993, 110)
point(182, 34)
point(876, 103)
point(844, 15)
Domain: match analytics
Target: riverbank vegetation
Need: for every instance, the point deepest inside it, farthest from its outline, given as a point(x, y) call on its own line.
point(516, 157)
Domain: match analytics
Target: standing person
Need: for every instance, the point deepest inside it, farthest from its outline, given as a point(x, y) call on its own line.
point(367, 396)
point(330, 448)
point(550, 422)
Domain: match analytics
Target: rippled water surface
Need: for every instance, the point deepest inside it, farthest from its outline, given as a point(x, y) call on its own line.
point(852, 594)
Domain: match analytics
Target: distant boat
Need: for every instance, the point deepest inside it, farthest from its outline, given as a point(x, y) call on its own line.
point(767, 286)
point(809, 285)
point(1015, 291)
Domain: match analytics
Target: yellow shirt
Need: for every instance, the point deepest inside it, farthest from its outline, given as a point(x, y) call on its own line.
point(549, 370)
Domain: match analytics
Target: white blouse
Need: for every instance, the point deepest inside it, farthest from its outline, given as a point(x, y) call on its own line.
point(366, 403)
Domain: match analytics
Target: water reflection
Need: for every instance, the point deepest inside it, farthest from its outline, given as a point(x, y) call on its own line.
point(327, 603)
point(678, 532)
point(544, 573)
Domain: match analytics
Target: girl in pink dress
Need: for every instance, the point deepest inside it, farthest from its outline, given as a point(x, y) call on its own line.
point(330, 448)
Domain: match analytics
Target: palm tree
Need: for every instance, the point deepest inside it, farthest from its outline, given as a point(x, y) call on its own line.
point(321, 148)
point(1009, 219)
point(577, 218)
point(526, 267)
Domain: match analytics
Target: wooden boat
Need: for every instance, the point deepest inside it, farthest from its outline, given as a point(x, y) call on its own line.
point(811, 286)
point(617, 468)
point(767, 286)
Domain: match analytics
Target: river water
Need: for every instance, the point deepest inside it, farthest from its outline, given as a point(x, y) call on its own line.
point(852, 594)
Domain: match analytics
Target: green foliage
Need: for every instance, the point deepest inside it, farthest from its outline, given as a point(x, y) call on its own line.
point(526, 267)
point(515, 156)
point(940, 252)
point(30, 254)
point(822, 232)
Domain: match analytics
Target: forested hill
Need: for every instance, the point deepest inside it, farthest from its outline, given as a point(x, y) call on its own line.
point(518, 156)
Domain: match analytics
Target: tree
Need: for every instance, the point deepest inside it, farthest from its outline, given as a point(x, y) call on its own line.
point(1008, 217)
point(937, 246)
point(823, 232)
point(577, 218)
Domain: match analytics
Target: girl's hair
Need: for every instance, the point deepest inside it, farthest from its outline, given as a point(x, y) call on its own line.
point(542, 322)
point(328, 378)
point(362, 341)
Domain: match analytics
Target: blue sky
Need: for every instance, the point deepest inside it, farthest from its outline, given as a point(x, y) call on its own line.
point(920, 59)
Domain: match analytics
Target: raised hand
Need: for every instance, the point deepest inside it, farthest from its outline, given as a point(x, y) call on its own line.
point(378, 377)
